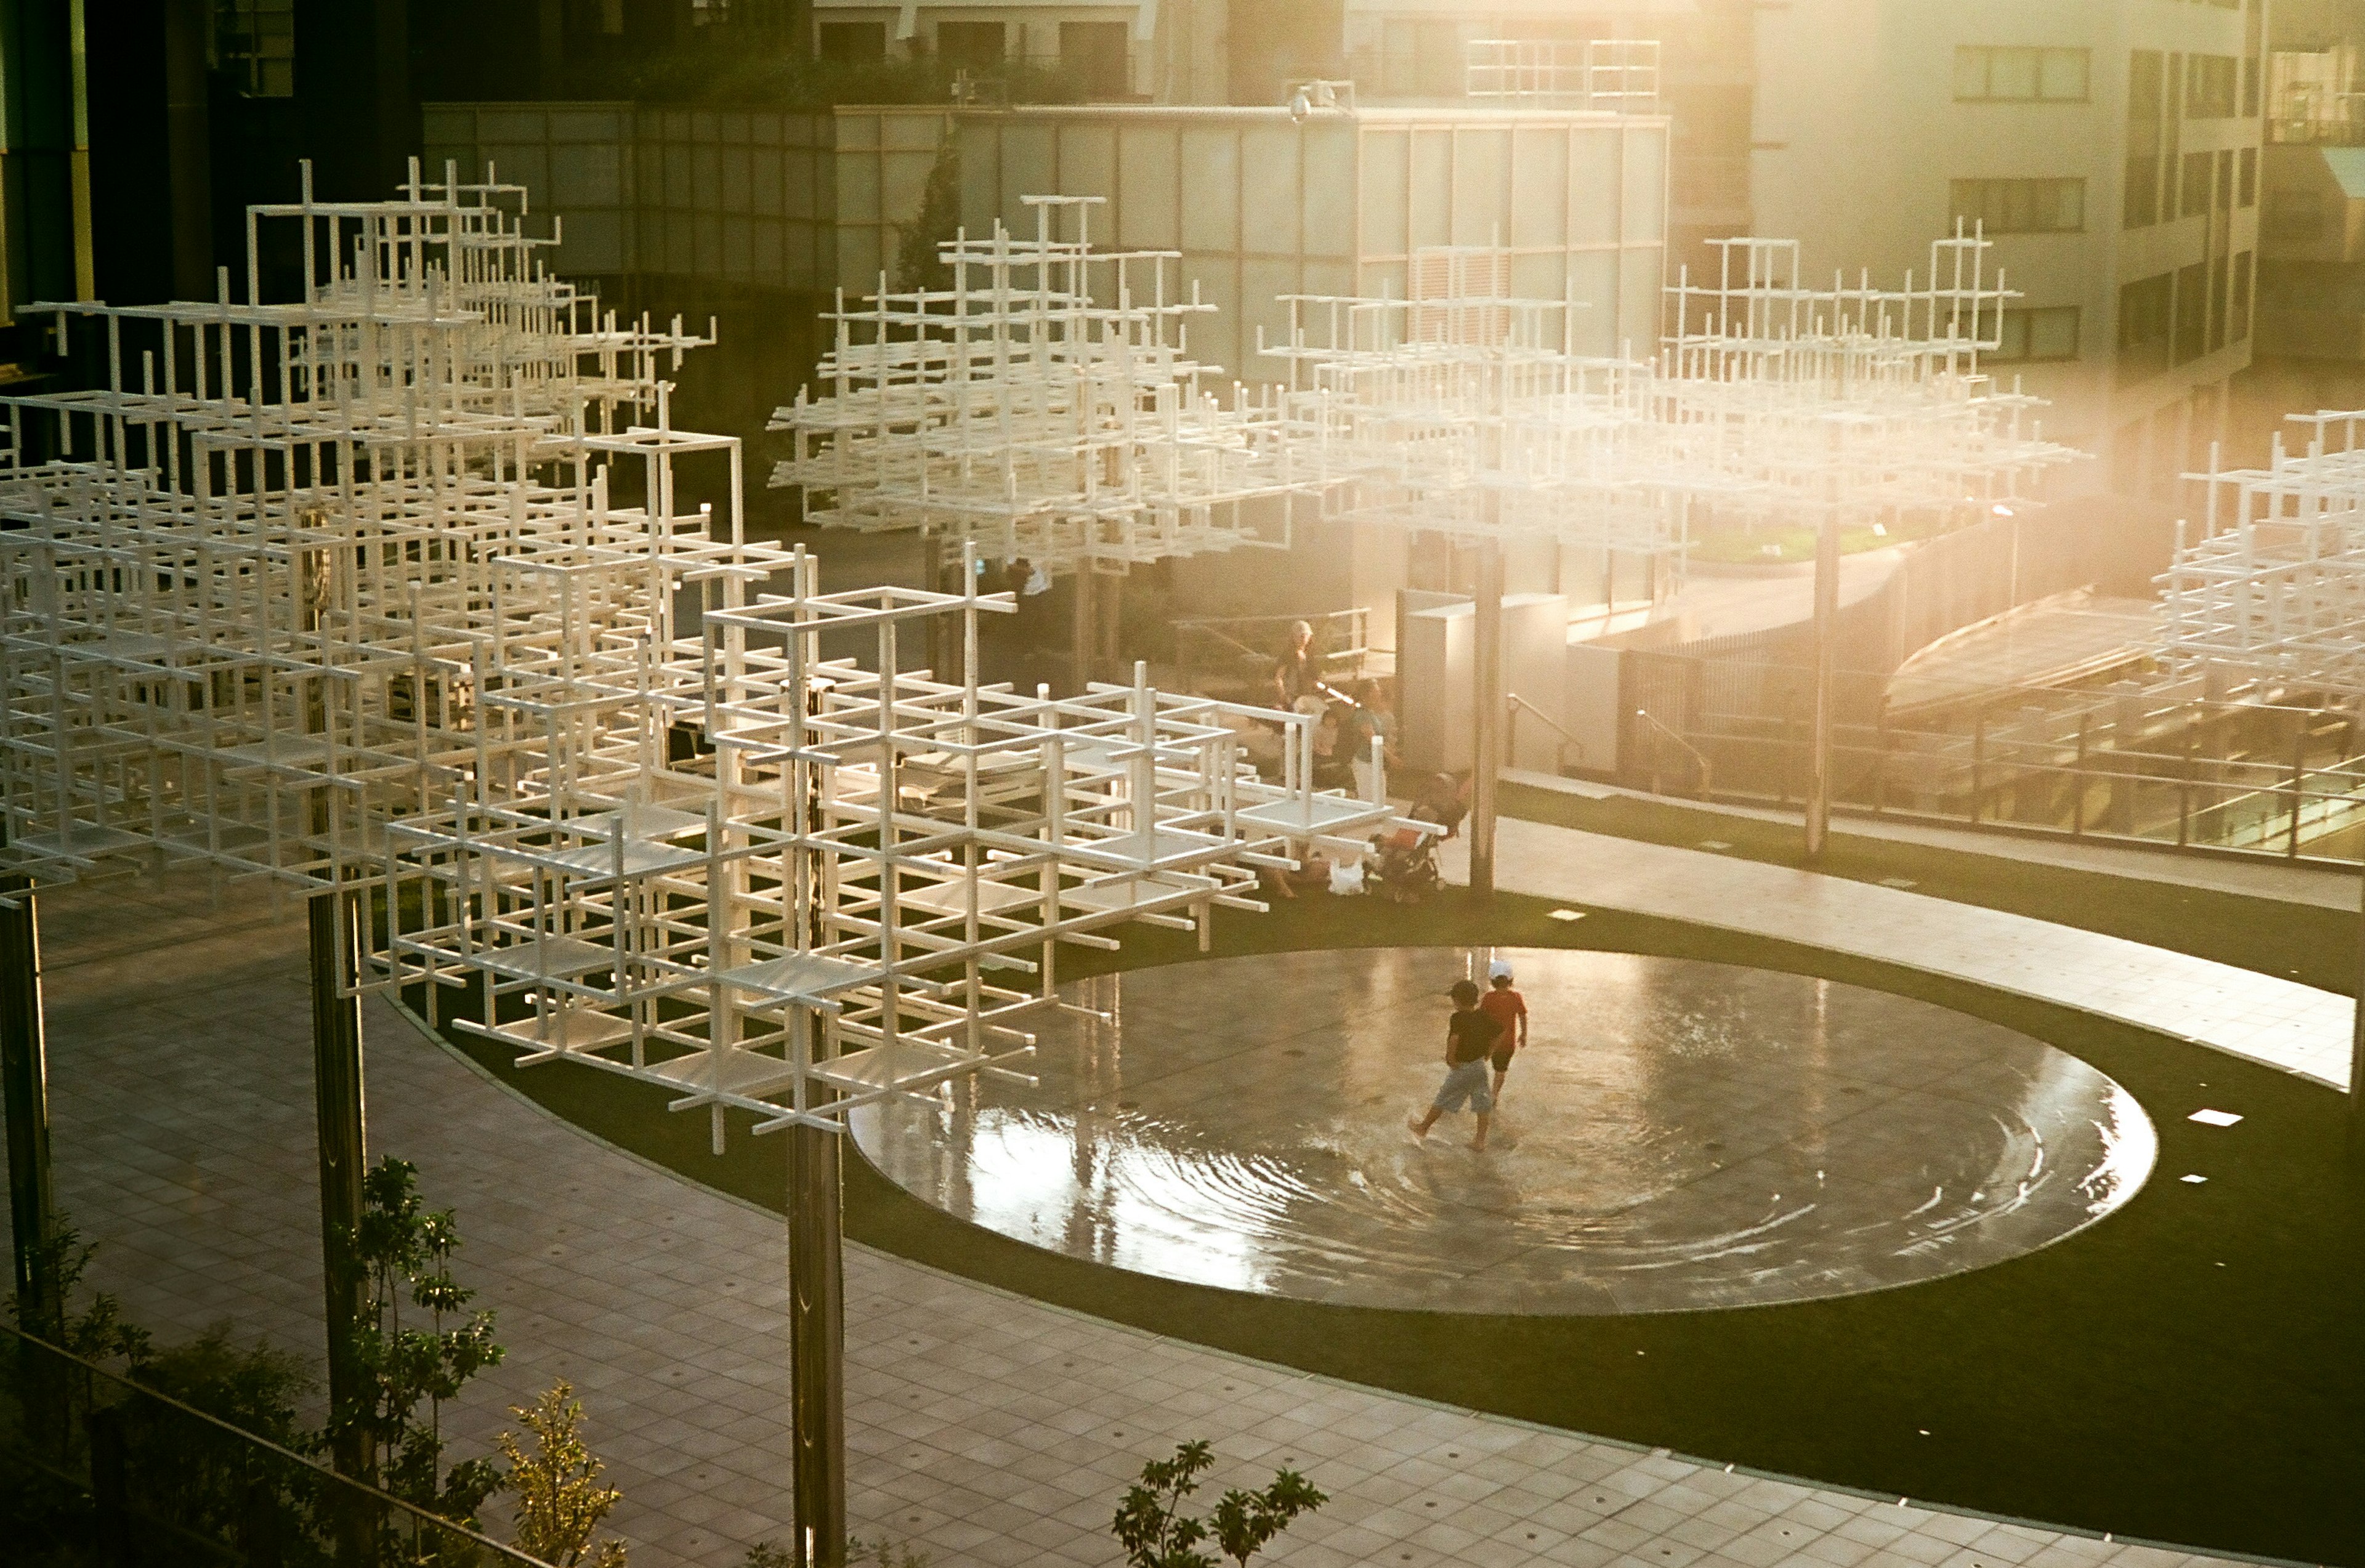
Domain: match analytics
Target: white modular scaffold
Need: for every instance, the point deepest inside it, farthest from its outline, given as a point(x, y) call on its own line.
point(2273, 589)
point(1043, 406)
point(1775, 402)
point(1463, 409)
point(339, 593)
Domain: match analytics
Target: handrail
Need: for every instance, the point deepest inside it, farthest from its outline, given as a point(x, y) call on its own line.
point(1645, 715)
point(141, 1391)
point(1514, 702)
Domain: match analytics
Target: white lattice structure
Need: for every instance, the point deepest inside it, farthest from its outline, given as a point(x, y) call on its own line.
point(376, 622)
point(2273, 589)
point(1043, 406)
point(1461, 410)
point(1854, 405)
point(1464, 411)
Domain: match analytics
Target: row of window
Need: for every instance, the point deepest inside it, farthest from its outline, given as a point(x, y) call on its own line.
point(2175, 318)
point(2213, 84)
point(2211, 181)
point(2172, 318)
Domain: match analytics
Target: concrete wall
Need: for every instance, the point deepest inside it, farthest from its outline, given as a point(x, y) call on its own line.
point(1860, 132)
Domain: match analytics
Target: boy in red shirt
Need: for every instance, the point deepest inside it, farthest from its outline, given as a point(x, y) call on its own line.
point(1508, 1009)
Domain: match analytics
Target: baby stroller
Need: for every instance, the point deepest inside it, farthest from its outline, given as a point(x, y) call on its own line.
point(1406, 871)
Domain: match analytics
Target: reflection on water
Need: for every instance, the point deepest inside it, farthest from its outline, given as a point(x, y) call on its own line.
point(1678, 1135)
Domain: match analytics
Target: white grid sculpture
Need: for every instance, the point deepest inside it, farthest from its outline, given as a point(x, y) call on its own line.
point(1780, 402)
point(1043, 406)
point(373, 620)
point(2274, 587)
point(1464, 411)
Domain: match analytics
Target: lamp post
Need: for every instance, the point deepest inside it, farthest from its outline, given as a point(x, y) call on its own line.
point(1819, 735)
point(24, 1075)
point(1486, 713)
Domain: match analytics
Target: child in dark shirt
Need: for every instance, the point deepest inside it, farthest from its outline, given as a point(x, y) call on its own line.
point(1470, 1038)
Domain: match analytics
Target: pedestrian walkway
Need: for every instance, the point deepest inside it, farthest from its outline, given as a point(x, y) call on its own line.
point(2280, 1023)
point(2251, 876)
point(983, 1428)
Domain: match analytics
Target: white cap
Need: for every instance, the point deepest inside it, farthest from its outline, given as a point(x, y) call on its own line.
point(1499, 970)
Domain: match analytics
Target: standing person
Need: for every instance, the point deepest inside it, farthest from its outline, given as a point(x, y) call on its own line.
point(1470, 1037)
point(1370, 717)
point(1508, 1009)
point(1299, 672)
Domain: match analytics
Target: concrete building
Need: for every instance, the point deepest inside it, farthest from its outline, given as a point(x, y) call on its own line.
point(1171, 51)
point(2112, 150)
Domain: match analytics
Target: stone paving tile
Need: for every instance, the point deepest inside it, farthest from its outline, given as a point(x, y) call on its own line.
point(2261, 1018)
point(982, 1428)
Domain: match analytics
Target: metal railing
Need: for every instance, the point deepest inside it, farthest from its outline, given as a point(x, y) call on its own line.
point(1706, 772)
point(96, 1467)
point(1514, 705)
point(1616, 74)
point(1239, 651)
point(2164, 764)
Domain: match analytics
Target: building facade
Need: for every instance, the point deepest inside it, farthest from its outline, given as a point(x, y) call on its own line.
point(2110, 149)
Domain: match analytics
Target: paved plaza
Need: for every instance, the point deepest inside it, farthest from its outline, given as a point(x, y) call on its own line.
point(984, 1429)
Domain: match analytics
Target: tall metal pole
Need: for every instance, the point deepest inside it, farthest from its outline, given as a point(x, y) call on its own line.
point(1486, 714)
point(1819, 740)
point(2356, 1056)
point(817, 1345)
point(335, 950)
point(24, 1075)
point(332, 918)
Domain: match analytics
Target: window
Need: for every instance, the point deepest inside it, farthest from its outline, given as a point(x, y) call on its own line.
point(2209, 86)
point(2191, 312)
point(853, 43)
point(2249, 179)
point(2238, 304)
point(254, 43)
point(2021, 207)
point(980, 45)
point(2144, 326)
point(1096, 54)
point(2044, 332)
point(2145, 74)
point(1985, 75)
point(2195, 198)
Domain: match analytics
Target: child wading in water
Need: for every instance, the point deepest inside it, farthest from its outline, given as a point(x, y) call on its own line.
point(1508, 1009)
point(1470, 1037)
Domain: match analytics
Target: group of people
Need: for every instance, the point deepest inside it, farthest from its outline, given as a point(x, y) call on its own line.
point(1486, 1030)
point(1346, 723)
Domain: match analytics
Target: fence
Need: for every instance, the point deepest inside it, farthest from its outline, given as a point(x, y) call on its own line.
point(95, 1468)
point(2161, 764)
point(1220, 654)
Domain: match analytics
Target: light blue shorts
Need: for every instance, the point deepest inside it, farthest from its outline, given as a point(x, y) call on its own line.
point(1469, 1081)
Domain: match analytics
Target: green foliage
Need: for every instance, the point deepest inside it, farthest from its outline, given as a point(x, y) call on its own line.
point(98, 1331)
point(881, 1554)
point(559, 1499)
point(1156, 1533)
point(917, 264)
point(212, 1486)
point(406, 1251)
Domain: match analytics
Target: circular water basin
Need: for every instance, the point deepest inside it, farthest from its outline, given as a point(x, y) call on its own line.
point(1676, 1136)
